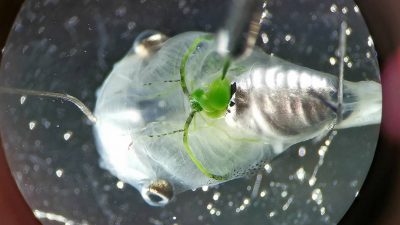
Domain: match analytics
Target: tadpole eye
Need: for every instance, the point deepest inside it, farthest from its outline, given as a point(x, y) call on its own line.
point(233, 89)
point(148, 42)
point(158, 193)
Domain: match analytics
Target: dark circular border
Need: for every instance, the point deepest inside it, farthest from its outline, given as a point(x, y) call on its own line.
point(379, 199)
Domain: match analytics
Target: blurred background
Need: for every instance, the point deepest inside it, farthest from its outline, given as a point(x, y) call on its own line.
point(377, 201)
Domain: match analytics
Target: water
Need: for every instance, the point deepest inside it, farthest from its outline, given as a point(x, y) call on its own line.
point(71, 47)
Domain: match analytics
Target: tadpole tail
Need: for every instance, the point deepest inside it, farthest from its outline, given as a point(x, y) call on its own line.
point(81, 106)
point(192, 156)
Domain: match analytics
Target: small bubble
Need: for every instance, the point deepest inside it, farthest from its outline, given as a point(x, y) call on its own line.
point(204, 188)
point(345, 10)
point(301, 174)
point(354, 183)
point(322, 150)
point(18, 26)
point(370, 41)
point(216, 196)
point(120, 185)
point(68, 135)
point(287, 204)
point(350, 64)
point(59, 172)
point(264, 15)
point(212, 211)
point(131, 25)
point(71, 22)
point(46, 123)
point(288, 37)
point(24, 49)
point(333, 8)
point(312, 181)
point(41, 29)
point(368, 54)
point(268, 168)
point(32, 125)
point(218, 213)
point(272, 214)
point(356, 9)
point(22, 99)
point(246, 201)
point(346, 59)
point(327, 142)
point(332, 61)
point(121, 11)
point(348, 31)
point(323, 211)
point(263, 194)
point(209, 206)
point(264, 38)
point(302, 151)
point(316, 195)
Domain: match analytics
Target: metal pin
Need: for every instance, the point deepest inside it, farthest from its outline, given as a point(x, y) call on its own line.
point(342, 53)
point(238, 37)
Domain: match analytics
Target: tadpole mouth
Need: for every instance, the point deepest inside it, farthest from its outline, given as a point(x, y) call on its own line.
point(158, 193)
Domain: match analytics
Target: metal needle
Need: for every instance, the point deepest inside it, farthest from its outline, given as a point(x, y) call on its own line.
point(239, 34)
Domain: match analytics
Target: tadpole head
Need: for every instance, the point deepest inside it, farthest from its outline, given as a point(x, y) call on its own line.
point(158, 193)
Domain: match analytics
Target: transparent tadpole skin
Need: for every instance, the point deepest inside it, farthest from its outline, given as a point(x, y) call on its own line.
point(141, 110)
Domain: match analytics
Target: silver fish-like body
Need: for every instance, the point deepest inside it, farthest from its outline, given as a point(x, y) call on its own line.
point(286, 103)
point(141, 110)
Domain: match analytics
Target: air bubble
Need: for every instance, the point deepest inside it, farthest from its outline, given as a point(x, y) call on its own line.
point(22, 99)
point(316, 196)
point(68, 135)
point(32, 125)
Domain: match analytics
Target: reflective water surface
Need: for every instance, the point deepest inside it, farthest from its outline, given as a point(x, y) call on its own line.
point(71, 46)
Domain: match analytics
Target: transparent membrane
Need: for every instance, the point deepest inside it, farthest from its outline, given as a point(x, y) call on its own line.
point(71, 47)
